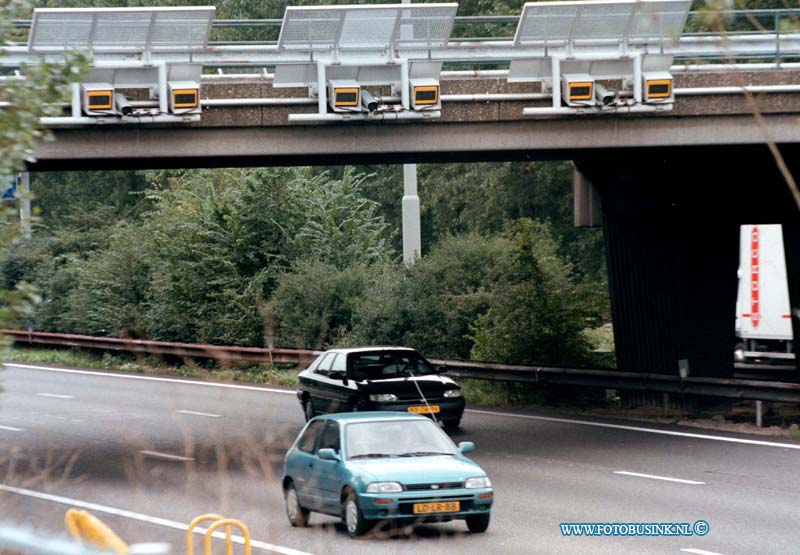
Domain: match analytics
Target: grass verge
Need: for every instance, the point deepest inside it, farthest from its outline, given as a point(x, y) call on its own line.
point(123, 362)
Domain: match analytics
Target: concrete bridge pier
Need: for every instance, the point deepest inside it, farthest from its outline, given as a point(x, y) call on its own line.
point(791, 241)
point(671, 225)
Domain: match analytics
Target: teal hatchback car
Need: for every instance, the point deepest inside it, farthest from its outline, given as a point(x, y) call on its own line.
point(370, 467)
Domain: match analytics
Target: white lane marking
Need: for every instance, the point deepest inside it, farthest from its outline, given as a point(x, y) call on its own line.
point(11, 429)
point(166, 456)
point(640, 429)
point(200, 413)
point(149, 378)
point(144, 518)
point(55, 395)
point(700, 551)
point(654, 477)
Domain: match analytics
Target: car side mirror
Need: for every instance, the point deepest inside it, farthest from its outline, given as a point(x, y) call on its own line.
point(466, 447)
point(327, 454)
point(338, 375)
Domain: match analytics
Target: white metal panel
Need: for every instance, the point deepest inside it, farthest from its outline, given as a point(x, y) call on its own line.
point(661, 19)
point(120, 29)
point(763, 303)
point(378, 26)
point(598, 20)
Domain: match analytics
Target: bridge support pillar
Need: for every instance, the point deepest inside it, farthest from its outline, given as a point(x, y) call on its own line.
point(791, 242)
point(673, 294)
point(671, 222)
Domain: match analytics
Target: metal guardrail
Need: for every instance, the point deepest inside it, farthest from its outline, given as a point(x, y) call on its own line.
point(746, 389)
point(224, 354)
point(756, 390)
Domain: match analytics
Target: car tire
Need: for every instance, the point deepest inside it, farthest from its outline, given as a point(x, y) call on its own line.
point(308, 409)
point(451, 425)
point(297, 515)
point(478, 524)
point(353, 518)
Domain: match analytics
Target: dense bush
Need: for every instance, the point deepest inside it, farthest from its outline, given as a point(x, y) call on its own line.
point(300, 256)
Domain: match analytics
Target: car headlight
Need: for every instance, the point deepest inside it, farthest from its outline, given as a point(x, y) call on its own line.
point(384, 487)
point(383, 397)
point(452, 393)
point(482, 482)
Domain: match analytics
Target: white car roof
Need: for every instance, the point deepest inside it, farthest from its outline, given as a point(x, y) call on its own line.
point(368, 349)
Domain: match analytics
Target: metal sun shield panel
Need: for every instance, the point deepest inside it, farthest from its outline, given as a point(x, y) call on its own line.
point(379, 26)
point(603, 20)
point(120, 29)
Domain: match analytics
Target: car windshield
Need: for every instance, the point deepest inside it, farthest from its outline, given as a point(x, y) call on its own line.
point(396, 438)
point(379, 365)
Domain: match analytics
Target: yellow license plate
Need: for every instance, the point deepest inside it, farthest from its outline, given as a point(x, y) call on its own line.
point(443, 507)
point(425, 410)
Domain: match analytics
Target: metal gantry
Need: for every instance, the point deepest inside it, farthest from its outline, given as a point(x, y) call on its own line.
point(377, 62)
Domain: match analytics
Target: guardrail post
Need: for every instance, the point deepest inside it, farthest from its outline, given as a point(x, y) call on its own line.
point(759, 422)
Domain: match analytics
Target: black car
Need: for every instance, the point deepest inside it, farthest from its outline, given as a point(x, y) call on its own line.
point(379, 378)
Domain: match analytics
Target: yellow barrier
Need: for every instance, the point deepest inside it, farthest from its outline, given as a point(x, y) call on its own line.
point(203, 518)
point(228, 522)
point(86, 527)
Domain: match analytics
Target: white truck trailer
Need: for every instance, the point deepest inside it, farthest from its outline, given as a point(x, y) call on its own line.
point(763, 319)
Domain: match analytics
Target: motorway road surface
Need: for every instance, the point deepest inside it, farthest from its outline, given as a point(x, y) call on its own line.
point(166, 450)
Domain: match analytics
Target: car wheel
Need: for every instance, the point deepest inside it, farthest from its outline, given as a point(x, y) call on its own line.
point(353, 518)
point(451, 425)
point(297, 515)
point(478, 523)
point(308, 408)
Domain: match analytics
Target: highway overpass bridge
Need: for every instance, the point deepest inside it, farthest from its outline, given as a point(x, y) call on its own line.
point(675, 176)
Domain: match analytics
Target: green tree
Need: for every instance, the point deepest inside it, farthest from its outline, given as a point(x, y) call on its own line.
point(330, 220)
point(431, 306)
point(313, 304)
point(27, 100)
point(538, 315)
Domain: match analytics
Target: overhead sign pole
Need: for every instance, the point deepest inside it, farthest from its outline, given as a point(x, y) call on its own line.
point(412, 237)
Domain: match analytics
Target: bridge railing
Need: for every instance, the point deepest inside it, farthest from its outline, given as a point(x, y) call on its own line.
point(746, 389)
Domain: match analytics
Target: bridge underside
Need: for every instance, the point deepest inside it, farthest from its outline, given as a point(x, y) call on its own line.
point(671, 223)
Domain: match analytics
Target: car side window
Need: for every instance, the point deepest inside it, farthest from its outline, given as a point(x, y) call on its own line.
point(324, 367)
point(313, 366)
point(309, 437)
point(339, 365)
point(330, 437)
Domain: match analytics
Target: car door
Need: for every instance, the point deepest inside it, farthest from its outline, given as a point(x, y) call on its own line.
point(334, 396)
point(340, 394)
point(328, 472)
point(301, 467)
point(318, 384)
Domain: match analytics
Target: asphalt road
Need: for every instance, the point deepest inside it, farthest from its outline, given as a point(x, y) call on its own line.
point(166, 451)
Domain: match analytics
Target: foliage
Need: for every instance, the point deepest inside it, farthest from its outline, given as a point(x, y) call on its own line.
point(431, 306)
point(314, 303)
point(20, 130)
point(332, 221)
point(31, 98)
point(538, 314)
